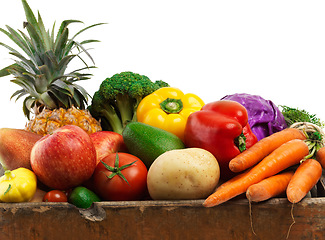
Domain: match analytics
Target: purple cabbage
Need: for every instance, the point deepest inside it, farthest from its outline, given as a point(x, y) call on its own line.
point(264, 117)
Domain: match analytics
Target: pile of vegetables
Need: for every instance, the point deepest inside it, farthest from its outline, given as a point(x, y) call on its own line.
point(142, 139)
point(156, 142)
point(148, 140)
point(165, 144)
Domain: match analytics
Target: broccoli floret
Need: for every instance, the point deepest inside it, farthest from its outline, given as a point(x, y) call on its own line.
point(161, 83)
point(116, 102)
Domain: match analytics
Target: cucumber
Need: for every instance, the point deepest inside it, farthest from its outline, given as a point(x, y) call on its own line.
point(147, 142)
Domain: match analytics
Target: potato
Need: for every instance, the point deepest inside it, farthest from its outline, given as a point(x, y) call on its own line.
point(190, 173)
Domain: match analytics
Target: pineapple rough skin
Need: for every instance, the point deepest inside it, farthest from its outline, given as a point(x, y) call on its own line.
point(116, 102)
point(48, 121)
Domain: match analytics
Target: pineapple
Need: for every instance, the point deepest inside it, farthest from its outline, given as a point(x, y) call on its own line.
point(51, 94)
point(49, 120)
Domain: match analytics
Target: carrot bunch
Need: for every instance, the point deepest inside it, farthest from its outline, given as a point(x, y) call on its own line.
point(264, 170)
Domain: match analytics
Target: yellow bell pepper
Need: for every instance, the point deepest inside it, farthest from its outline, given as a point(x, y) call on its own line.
point(18, 185)
point(168, 108)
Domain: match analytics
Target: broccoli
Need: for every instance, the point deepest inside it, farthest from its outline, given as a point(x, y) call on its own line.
point(116, 102)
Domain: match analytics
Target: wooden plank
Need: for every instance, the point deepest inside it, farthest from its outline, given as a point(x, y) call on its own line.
point(167, 220)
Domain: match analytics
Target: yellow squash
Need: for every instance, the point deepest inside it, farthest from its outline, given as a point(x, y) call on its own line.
point(168, 108)
point(18, 185)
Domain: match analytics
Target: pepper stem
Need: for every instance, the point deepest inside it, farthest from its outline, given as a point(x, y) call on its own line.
point(240, 142)
point(172, 105)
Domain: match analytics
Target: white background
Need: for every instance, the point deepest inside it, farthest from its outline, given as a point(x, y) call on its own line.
point(275, 49)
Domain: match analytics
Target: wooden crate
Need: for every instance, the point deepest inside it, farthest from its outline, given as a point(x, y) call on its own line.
point(165, 220)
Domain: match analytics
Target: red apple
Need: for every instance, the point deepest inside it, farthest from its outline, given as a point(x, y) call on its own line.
point(64, 159)
point(107, 142)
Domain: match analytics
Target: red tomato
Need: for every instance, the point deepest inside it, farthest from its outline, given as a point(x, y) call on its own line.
point(55, 196)
point(110, 184)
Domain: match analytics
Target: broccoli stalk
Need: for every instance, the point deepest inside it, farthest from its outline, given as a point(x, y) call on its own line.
point(118, 97)
point(102, 109)
point(125, 105)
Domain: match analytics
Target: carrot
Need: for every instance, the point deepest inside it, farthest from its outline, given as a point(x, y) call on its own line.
point(262, 148)
point(320, 156)
point(304, 179)
point(269, 187)
point(288, 154)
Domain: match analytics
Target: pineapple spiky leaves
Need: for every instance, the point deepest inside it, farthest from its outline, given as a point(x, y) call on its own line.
point(41, 70)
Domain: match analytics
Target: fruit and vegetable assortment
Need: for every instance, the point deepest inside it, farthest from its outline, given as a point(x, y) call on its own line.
point(138, 139)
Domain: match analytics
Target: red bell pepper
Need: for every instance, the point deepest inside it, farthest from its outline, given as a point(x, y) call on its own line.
point(221, 128)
